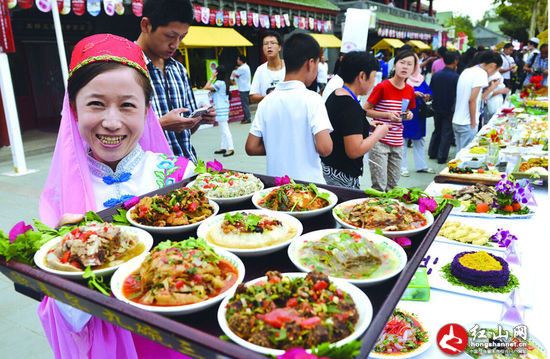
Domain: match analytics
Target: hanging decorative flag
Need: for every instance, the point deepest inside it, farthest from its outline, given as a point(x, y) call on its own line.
point(205, 15)
point(44, 5)
point(212, 18)
point(243, 18)
point(93, 7)
point(12, 4)
point(119, 7)
point(287, 20)
point(272, 21)
point(303, 23)
point(311, 23)
point(225, 18)
point(296, 22)
point(25, 4)
point(278, 21)
point(64, 6)
point(109, 7)
point(197, 13)
point(250, 19)
point(231, 15)
point(219, 18)
point(256, 19)
point(137, 7)
point(79, 7)
point(319, 25)
point(238, 18)
point(266, 21)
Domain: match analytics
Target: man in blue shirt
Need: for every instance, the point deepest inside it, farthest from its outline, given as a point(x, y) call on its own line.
point(164, 24)
point(443, 85)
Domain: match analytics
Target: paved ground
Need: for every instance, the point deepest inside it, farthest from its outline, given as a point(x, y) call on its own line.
point(21, 335)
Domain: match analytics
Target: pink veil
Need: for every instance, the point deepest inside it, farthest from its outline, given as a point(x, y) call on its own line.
point(416, 77)
point(68, 188)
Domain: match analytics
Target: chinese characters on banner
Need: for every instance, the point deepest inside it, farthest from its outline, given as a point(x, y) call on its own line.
point(6, 35)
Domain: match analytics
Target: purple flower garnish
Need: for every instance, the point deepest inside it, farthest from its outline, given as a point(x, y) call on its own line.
point(214, 166)
point(279, 181)
point(523, 193)
point(403, 241)
point(131, 202)
point(297, 353)
point(503, 238)
point(426, 203)
point(19, 228)
point(505, 186)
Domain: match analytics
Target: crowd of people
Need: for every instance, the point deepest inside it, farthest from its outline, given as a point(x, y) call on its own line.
point(130, 112)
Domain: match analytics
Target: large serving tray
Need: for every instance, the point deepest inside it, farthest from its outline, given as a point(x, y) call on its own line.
point(197, 334)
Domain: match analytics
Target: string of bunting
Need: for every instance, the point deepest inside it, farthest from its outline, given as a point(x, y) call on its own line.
point(203, 15)
point(384, 31)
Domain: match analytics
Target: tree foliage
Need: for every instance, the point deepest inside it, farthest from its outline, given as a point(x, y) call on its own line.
point(463, 24)
point(517, 17)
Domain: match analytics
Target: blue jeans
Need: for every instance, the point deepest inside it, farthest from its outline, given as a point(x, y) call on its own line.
point(463, 135)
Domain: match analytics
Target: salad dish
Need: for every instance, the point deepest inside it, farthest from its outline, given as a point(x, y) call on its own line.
point(358, 256)
point(102, 246)
point(178, 277)
point(178, 210)
point(403, 337)
point(228, 186)
point(458, 231)
point(298, 200)
point(392, 217)
point(282, 311)
point(250, 232)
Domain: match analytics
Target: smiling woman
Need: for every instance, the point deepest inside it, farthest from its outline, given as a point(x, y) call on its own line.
point(110, 148)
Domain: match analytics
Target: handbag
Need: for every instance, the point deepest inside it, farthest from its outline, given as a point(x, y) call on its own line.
point(426, 109)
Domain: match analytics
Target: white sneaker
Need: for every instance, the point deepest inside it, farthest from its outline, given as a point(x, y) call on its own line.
point(405, 173)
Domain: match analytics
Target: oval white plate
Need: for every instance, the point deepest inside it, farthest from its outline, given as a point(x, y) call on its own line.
point(362, 303)
point(40, 255)
point(171, 229)
point(228, 200)
point(128, 268)
point(205, 227)
point(418, 351)
point(333, 199)
point(392, 234)
point(391, 246)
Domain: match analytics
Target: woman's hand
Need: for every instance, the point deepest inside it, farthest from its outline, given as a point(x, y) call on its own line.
point(381, 129)
point(409, 115)
point(172, 121)
point(419, 94)
point(393, 116)
point(70, 218)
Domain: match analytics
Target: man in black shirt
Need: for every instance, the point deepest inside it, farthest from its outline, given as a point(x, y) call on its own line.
point(443, 85)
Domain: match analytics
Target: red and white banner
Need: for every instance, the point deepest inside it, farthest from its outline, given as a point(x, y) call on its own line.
point(6, 35)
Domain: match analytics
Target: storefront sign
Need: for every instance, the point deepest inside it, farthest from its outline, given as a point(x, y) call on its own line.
point(6, 35)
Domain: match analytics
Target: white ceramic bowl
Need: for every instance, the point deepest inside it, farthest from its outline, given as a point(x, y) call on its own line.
point(362, 303)
point(228, 200)
point(171, 229)
point(418, 351)
point(392, 234)
point(389, 246)
point(205, 227)
point(145, 238)
point(333, 199)
point(128, 268)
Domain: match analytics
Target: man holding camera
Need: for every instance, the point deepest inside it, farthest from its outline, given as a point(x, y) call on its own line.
point(270, 73)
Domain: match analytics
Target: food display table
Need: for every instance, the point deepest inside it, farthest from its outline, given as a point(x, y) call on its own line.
point(197, 334)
